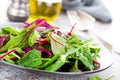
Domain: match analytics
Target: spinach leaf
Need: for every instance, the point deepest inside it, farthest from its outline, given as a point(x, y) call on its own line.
point(55, 66)
point(51, 61)
point(31, 59)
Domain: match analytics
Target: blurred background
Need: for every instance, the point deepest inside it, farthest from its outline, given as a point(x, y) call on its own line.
point(107, 14)
point(91, 9)
point(112, 27)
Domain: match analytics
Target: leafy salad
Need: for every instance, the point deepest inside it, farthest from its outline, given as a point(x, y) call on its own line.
point(39, 45)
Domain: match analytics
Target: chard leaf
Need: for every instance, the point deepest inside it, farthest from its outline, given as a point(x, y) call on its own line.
point(9, 30)
point(57, 44)
point(2, 39)
point(7, 58)
point(33, 37)
point(13, 42)
point(18, 49)
point(15, 55)
point(25, 30)
point(31, 59)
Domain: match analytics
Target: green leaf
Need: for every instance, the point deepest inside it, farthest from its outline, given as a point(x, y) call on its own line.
point(55, 66)
point(52, 60)
point(94, 48)
point(75, 67)
point(95, 78)
point(18, 49)
point(7, 58)
point(99, 78)
point(61, 60)
point(73, 42)
point(31, 59)
point(24, 30)
point(10, 30)
point(32, 38)
point(86, 52)
point(13, 42)
point(55, 46)
point(85, 61)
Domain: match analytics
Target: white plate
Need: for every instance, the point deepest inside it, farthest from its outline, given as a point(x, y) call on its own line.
point(105, 60)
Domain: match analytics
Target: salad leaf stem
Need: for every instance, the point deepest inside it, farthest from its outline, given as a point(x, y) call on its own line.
point(5, 54)
point(43, 42)
point(70, 33)
point(2, 39)
point(56, 40)
point(97, 63)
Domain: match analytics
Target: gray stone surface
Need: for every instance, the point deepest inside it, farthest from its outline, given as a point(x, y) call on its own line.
point(11, 73)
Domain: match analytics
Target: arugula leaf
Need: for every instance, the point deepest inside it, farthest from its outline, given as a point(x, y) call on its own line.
point(94, 48)
point(75, 67)
point(73, 42)
point(31, 59)
point(85, 61)
point(81, 50)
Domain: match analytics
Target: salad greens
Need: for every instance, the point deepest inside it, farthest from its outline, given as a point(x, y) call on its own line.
point(99, 78)
point(42, 46)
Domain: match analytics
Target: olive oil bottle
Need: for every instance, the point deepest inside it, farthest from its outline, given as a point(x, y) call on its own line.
point(47, 9)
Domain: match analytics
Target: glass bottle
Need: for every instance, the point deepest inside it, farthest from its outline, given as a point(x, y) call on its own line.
point(47, 9)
